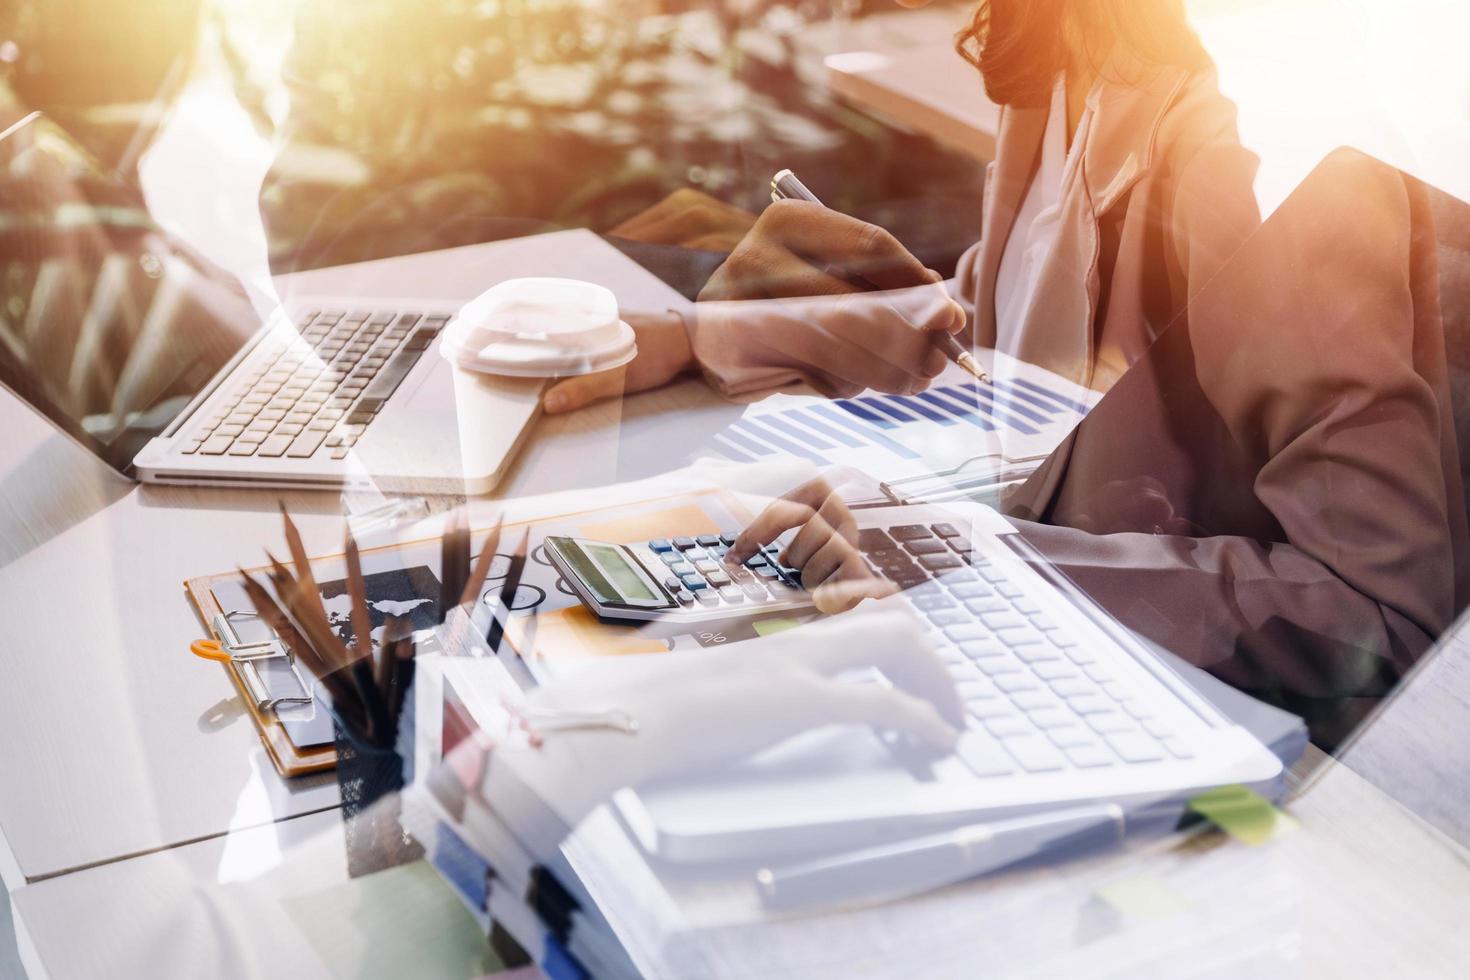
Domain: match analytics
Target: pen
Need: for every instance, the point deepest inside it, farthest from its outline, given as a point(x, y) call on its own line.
point(786, 186)
point(890, 871)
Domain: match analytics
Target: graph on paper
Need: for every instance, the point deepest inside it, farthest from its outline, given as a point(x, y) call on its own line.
point(1009, 425)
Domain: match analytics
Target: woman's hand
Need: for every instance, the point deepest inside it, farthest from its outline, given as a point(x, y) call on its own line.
point(690, 219)
point(825, 549)
point(663, 354)
point(798, 248)
point(839, 344)
point(696, 711)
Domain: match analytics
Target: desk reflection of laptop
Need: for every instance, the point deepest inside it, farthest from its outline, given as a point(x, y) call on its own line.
point(154, 360)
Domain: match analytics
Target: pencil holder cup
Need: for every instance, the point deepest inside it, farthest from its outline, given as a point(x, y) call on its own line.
point(370, 779)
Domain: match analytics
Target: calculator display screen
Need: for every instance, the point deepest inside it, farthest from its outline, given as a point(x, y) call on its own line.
point(623, 576)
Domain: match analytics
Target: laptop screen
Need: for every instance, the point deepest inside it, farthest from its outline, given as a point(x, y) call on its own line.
point(107, 327)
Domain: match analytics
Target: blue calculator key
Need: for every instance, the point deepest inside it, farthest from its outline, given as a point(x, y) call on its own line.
point(707, 540)
point(661, 545)
point(694, 583)
point(683, 544)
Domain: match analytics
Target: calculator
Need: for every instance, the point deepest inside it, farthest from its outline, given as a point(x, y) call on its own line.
point(676, 580)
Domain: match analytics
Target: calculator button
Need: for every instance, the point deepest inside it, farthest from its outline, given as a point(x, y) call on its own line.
point(694, 583)
point(731, 593)
point(673, 584)
point(672, 557)
point(706, 566)
point(682, 568)
point(661, 545)
point(684, 544)
point(909, 532)
point(728, 540)
point(706, 598)
point(684, 597)
point(756, 561)
point(719, 579)
point(767, 572)
point(755, 592)
point(708, 540)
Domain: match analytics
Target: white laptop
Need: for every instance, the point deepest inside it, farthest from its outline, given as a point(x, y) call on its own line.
point(154, 360)
point(1064, 707)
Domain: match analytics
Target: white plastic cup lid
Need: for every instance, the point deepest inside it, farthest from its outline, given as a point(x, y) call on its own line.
point(540, 327)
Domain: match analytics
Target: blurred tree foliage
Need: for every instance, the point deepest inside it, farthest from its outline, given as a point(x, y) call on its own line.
point(416, 124)
point(426, 124)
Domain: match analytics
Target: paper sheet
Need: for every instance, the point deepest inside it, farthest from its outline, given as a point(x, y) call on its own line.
point(985, 430)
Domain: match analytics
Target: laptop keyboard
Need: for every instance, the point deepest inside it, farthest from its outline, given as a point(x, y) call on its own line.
point(316, 396)
point(1037, 700)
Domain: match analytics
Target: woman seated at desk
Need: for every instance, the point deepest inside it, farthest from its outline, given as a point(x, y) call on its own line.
point(1273, 492)
point(1119, 185)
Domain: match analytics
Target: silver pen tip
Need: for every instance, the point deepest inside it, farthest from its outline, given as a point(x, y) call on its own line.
point(967, 361)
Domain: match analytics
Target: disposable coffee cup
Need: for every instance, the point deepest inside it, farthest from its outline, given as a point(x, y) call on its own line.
point(540, 328)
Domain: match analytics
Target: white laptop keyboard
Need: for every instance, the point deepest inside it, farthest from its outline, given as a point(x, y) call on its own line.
point(1037, 700)
point(316, 395)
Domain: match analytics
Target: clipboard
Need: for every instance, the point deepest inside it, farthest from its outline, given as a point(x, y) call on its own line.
point(244, 648)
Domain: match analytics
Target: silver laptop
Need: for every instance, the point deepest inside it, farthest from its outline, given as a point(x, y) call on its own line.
point(154, 360)
point(1064, 708)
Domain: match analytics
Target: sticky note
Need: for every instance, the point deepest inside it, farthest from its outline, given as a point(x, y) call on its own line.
point(1143, 897)
point(770, 627)
point(1243, 814)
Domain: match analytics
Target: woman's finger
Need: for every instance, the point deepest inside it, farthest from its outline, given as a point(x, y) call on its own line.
point(887, 637)
point(571, 394)
point(842, 592)
point(780, 516)
point(825, 562)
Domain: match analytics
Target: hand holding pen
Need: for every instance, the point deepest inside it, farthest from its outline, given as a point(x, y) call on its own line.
point(879, 273)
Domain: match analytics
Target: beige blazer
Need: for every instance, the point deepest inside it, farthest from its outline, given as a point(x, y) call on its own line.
point(1165, 196)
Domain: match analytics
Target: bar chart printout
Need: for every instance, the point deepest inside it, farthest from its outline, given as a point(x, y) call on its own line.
point(960, 433)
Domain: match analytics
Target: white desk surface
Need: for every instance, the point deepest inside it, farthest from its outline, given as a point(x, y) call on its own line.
point(117, 740)
point(902, 66)
point(1362, 889)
